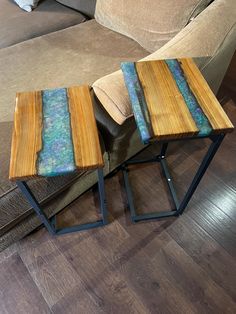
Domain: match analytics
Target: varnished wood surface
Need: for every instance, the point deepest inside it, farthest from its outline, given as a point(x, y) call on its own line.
point(87, 149)
point(206, 98)
point(183, 265)
point(169, 114)
point(28, 128)
point(170, 117)
point(26, 137)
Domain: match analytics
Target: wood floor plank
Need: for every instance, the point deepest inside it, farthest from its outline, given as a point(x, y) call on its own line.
point(48, 267)
point(8, 252)
point(105, 285)
point(206, 252)
point(205, 295)
point(18, 291)
point(78, 300)
point(156, 291)
point(217, 224)
point(130, 260)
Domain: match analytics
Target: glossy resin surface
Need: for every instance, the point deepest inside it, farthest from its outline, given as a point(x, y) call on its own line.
point(57, 155)
point(137, 100)
point(190, 100)
point(144, 114)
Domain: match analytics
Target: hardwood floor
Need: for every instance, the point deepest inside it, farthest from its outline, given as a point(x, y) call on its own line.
point(178, 265)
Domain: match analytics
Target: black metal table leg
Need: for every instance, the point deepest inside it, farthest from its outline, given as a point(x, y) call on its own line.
point(216, 141)
point(169, 181)
point(129, 193)
point(101, 189)
point(179, 206)
point(23, 186)
point(50, 224)
point(164, 149)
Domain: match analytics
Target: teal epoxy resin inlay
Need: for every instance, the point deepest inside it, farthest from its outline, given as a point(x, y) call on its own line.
point(198, 115)
point(57, 154)
point(138, 101)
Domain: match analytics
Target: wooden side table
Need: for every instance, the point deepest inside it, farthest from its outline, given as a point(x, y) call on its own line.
point(172, 101)
point(55, 133)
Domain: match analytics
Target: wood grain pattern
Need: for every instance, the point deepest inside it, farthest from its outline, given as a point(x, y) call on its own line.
point(192, 281)
point(186, 265)
point(206, 98)
point(18, 292)
point(169, 114)
point(211, 253)
point(26, 138)
point(86, 143)
point(50, 269)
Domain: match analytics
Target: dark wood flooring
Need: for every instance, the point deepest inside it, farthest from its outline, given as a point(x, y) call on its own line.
point(177, 265)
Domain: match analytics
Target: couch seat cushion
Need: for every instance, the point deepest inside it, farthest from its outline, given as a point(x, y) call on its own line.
point(76, 55)
point(152, 23)
point(17, 25)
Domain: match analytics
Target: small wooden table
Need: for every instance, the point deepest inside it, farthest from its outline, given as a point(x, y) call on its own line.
point(55, 133)
point(172, 101)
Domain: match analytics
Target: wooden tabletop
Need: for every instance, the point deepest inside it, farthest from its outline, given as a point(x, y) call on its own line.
point(54, 133)
point(171, 99)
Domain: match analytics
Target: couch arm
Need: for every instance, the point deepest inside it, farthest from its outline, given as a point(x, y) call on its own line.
point(212, 34)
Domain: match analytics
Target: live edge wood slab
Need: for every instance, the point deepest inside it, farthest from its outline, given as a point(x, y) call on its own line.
point(171, 100)
point(55, 133)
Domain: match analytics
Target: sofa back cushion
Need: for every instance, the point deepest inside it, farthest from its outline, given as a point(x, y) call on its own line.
point(84, 6)
point(151, 23)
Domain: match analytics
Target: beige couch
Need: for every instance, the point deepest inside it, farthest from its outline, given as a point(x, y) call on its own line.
point(18, 25)
point(89, 53)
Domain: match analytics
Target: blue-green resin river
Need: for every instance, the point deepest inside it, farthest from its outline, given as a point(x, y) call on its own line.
point(139, 105)
point(57, 154)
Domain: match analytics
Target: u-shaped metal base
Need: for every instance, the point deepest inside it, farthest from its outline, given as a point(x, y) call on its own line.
point(179, 206)
point(50, 224)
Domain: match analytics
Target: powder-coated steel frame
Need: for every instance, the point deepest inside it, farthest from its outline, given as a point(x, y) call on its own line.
point(179, 206)
point(50, 224)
